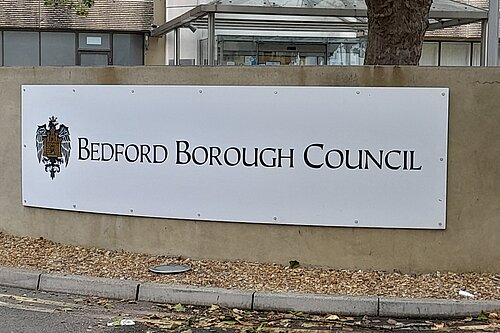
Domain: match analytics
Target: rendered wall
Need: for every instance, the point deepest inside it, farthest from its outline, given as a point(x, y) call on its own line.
point(471, 241)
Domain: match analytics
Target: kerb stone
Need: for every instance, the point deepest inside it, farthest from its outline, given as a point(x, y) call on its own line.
point(19, 278)
point(91, 286)
point(433, 308)
point(151, 292)
point(343, 305)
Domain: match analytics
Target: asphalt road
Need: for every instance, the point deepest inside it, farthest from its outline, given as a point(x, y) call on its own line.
point(26, 311)
point(23, 311)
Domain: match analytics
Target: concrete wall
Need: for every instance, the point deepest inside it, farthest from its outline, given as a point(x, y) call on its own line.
point(155, 46)
point(471, 241)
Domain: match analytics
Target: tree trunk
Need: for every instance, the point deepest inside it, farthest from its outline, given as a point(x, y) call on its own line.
point(396, 31)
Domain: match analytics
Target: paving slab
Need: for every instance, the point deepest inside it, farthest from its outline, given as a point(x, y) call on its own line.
point(19, 278)
point(89, 286)
point(153, 292)
point(433, 308)
point(343, 305)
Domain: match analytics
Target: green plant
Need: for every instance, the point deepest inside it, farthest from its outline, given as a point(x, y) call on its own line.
point(81, 7)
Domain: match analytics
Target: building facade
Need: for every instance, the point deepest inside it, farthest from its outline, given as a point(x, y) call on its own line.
point(118, 32)
point(454, 46)
point(113, 33)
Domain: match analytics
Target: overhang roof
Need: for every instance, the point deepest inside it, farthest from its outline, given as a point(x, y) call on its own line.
point(308, 15)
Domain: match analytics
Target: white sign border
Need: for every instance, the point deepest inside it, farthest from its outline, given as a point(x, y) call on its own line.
point(273, 220)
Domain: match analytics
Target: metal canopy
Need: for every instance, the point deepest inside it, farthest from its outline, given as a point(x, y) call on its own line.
point(308, 15)
point(317, 16)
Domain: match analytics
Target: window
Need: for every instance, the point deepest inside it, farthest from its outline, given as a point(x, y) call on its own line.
point(455, 54)
point(239, 53)
point(346, 53)
point(291, 53)
point(21, 48)
point(94, 58)
point(93, 41)
point(476, 54)
point(58, 49)
point(127, 49)
point(65, 48)
point(430, 54)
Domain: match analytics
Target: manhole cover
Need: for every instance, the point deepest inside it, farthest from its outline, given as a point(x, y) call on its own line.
point(169, 269)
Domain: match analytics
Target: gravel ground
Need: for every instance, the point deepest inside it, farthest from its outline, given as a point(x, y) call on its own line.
point(45, 255)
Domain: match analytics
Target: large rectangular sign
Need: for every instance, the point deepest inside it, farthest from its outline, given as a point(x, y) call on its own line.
point(331, 156)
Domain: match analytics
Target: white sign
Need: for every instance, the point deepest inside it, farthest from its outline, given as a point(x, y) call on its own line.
point(359, 157)
point(94, 40)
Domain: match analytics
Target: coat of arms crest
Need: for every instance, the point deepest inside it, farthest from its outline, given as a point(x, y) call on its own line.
point(53, 146)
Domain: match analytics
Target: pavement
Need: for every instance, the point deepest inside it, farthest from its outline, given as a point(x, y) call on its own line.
point(244, 299)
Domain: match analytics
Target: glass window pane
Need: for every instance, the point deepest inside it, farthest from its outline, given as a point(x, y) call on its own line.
point(94, 41)
point(21, 48)
point(455, 54)
point(1, 45)
point(498, 62)
point(239, 53)
point(58, 49)
point(203, 60)
point(93, 59)
point(476, 54)
point(430, 54)
point(127, 49)
point(346, 53)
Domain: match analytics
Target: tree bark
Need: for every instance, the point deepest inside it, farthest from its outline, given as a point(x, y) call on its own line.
point(396, 30)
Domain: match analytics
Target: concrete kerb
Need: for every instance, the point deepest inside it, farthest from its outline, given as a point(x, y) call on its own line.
point(89, 286)
point(152, 292)
point(433, 308)
point(19, 278)
point(343, 305)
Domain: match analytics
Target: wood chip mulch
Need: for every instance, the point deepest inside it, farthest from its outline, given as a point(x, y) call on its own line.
point(45, 255)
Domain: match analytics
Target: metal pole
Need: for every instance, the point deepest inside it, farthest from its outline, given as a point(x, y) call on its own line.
point(492, 44)
point(211, 39)
point(484, 31)
point(177, 47)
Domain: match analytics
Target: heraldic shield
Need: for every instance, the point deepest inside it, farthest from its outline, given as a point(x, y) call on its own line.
point(53, 146)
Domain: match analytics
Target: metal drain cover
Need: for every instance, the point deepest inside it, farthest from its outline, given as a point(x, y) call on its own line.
point(169, 269)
